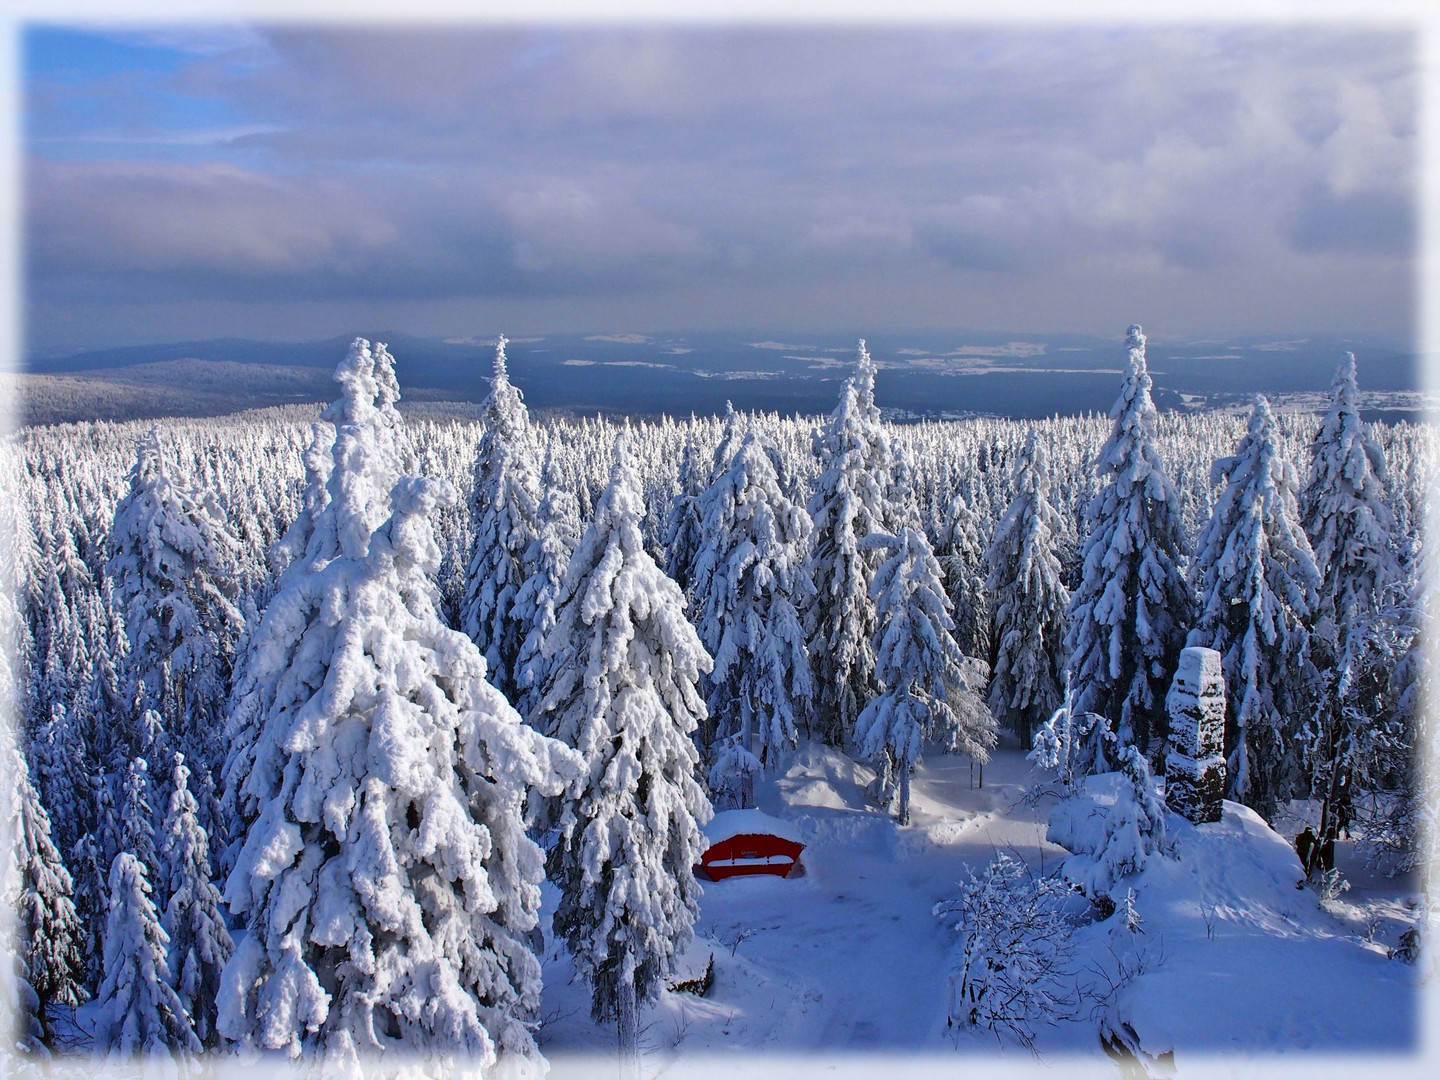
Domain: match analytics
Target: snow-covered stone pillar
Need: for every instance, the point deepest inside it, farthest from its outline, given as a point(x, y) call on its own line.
point(1195, 767)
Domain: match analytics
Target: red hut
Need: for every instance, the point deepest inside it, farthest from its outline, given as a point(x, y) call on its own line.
point(749, 842)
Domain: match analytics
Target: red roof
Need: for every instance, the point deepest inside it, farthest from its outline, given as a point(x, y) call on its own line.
point(745, 844)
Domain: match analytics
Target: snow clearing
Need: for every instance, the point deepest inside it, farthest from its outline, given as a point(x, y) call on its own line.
point(1232, 965)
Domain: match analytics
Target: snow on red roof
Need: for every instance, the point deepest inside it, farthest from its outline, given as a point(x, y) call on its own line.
point(730, 823)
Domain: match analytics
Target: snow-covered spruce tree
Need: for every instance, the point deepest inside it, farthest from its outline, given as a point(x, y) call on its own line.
point(49, 935)
point(961, 551)
point(173, 564)
point(733, 429)
point(535, 602)
point(918, 665)
point(200, 944)
point(92, 898)
point(504, 521)
point(1128, 615)
point(1015, 965)
point(1346, 517)
point(1360, 738)
point(113, 724)
point(1072, 744)
point(1351, 530)
point(750, 582)
point(683, 532)
point(137, 1012)
point(386, 881)
point(285, 659)
point(1133, 830)
point(1027, 601)
point(133, 827)
point(1408, 829)
point(847, 505)
point(733, 772)
point(21, 1029)
point(65, 609)
point(250, 696)
point(1256, 580)
point(623, 690)
point(315, 494)
point(898, 508)
point(56, 754)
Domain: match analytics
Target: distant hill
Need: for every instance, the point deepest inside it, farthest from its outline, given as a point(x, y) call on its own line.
point(925, 373)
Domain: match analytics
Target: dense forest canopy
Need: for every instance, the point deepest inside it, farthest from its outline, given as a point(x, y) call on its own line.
point(875, 586)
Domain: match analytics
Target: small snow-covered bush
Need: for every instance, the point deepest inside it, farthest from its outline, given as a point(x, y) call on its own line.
point(1113, 824)
point(1408, 951)
point(1015, 959)
point(732, 776)
point(1135, 826)
point(1072, 745)
point(1127, 916)
point(1332, 884)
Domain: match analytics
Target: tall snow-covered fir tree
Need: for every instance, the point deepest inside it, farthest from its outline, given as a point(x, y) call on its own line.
point(897, 507)
point(92, 899)
point(1346, 517)
point(961, 551)
point(50, 938)
point(750, 584)
point(137, 1012)
point(57, 756)
point(624, 691)
point(134, 829)
point(1414, 828)
point(200, 943)
point(64, 643)
point(1360, 736)
point(23, 1029)
point(549, 554)
point(281, 658)
point(504, 522)
point(1027, 601)
point(683, 535)
point(173, 562)
point(1129, 613)
point(1256, 579)
point(316, 458)
point(921, 671)
point(847, 505)
point(1359, 729)
point(386, 881)
point(733, 429)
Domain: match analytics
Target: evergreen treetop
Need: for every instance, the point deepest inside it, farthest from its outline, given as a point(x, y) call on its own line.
point(1130, 610)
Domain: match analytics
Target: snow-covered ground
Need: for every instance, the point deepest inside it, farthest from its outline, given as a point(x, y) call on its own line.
point(844, 967)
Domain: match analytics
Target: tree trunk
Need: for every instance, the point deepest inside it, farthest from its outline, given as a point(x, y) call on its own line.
point(904, 816)
point(1322, 856)
point(628, 1030)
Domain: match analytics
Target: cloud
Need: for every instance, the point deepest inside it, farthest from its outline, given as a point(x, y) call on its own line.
point(104, 219)
point(961, 174)
point(1362, 222)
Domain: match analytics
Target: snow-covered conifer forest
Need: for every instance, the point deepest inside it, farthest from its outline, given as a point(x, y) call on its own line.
point(357, 738)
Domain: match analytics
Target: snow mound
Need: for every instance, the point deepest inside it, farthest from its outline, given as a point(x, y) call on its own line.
point(1078, 823)
point(819, 776)
point(1235, 958)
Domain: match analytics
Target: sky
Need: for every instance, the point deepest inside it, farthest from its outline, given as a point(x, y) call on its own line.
point(295, 182)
